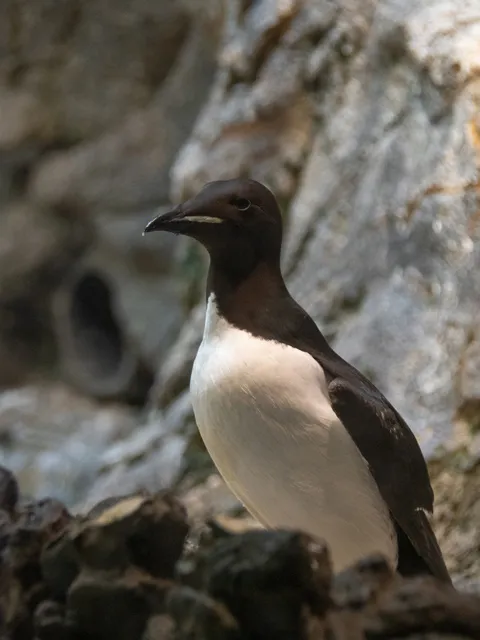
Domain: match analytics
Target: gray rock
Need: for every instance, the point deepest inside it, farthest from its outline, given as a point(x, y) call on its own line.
point(456, 483)
point(69, 56)
point(133, 568)
point(94, 106)
point(380, 245)
point(119, 179)
point(94, 102)
point(364, 122)
point(125, 170)
point(174, 373)
point(53, 439)
point(148, 461)
point(35, 249)
point(96, 353)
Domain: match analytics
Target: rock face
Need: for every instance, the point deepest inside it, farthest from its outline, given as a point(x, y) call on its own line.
point(365, 123)
point(364, 120)
point(94, 106)
point(125, 570)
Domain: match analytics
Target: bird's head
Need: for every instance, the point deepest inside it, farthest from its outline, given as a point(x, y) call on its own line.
point(237, 221)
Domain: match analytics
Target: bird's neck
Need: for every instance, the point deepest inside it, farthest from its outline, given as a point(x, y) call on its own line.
point(259, 303)
point(246, 298)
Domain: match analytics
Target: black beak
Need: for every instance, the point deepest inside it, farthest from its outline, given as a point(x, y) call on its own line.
point(165, 221)
point(185, 219)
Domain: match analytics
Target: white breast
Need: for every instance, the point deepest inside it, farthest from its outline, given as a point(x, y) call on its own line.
point(263, 412)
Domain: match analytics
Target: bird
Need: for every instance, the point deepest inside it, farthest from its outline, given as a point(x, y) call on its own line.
point(301, 437)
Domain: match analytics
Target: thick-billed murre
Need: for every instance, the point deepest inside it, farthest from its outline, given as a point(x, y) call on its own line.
point(300, 436)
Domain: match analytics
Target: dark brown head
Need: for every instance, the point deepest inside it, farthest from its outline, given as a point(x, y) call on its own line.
point(237, 221)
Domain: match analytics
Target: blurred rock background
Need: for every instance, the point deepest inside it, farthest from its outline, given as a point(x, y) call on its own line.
point(364, 120)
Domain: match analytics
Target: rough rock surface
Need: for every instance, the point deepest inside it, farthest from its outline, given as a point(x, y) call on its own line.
point(95, 102)
point(133, 569)
point(363, 117)
point(365, 123)
point(54, 438)
point(364, 120)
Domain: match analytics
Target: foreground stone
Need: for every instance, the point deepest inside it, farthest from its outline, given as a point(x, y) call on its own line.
point(132, 568)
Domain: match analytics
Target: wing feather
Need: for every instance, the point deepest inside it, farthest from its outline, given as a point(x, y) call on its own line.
point(396, 463)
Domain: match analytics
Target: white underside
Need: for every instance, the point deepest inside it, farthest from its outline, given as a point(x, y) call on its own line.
point(263, 412)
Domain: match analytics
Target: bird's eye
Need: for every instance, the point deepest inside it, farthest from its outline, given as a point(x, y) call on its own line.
point(242, 204)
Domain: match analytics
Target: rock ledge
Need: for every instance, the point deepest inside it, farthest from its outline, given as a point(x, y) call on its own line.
point(133, 568)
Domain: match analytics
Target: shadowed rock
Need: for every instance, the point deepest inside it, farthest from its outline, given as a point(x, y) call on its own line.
point(127, 570)
point(95, 353)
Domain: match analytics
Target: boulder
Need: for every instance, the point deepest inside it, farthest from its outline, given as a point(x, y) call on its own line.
point(133, 568)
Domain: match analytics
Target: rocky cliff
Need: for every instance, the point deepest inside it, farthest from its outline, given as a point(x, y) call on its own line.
point(362, 117)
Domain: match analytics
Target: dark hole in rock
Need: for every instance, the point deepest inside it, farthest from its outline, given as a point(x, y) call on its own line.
point(95, 353)
point(97, 336)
